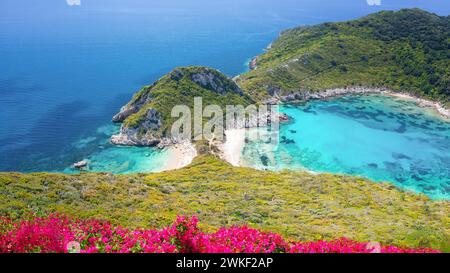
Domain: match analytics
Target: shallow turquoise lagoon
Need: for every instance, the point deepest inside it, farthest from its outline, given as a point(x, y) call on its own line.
point(102, 156)
point(378, 137)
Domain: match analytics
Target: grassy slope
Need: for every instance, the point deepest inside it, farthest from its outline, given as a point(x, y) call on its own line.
point(405, 51)
point(296, 204)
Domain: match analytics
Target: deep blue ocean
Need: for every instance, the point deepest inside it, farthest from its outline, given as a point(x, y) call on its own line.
point(66, 69)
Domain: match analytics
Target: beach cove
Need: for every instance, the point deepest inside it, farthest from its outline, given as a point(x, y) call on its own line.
point(377, 136)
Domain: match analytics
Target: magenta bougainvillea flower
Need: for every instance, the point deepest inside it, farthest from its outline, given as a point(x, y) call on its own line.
point(58, 233)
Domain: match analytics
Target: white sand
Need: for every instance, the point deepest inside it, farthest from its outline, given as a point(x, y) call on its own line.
point(233, 146)
point(445, 113)
point(180, 155)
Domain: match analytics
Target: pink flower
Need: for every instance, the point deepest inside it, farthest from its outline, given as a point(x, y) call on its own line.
point(55, 232)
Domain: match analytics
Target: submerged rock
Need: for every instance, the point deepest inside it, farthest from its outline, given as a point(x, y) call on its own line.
point(265, 160)
point(283, 117)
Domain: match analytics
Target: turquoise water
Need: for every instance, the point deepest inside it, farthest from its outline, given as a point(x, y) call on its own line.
point(66, 70)
point(102, 156)
point(378, 137)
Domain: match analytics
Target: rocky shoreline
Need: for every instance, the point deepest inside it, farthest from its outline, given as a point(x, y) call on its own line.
point(128, 137)
point(338, 92)
point(253, 63)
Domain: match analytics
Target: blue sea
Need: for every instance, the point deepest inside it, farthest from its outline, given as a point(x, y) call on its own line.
point(67, 66)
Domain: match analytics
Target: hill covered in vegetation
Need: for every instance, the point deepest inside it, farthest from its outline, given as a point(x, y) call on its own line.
point(146, 119)
point(297, 205)
point(407, 50)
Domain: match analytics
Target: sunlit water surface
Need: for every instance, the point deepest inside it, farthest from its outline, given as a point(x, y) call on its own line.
point(376, 136)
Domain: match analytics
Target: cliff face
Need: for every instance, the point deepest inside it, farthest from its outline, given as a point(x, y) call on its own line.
point(142, 134)
point(146, 118)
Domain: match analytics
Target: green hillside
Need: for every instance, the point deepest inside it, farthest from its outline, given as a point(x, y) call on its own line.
point(148, 114)
point(296, 204)
point(408, 51)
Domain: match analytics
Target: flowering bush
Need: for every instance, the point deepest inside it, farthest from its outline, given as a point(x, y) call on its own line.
point(57, 233)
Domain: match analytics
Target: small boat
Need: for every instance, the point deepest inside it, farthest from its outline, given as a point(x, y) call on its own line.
point(80, 165)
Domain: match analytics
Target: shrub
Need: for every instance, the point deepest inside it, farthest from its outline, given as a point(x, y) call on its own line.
point(61, 234)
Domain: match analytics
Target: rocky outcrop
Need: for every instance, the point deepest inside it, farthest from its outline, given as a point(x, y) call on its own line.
point(141, 98)
point(142, 134)
point(252, 65)
point(308, 95)
point(329, 93)
point(218, 83)
point(142, 118)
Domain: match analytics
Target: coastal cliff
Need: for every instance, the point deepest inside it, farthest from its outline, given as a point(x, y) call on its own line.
point(146, 118)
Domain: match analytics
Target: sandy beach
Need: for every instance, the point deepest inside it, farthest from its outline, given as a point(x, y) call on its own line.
point(441, 110)
point(180, 155)
point(233, 146)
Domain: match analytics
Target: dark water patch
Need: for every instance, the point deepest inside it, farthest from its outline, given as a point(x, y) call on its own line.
point(285, 140)
point(416, 177)
point(393, 167)
point(359, 115)
point(10, 87)
point(400, 179)
point(150, 78)
point(13, 141)
point(440, 144)
point(355, 113)
point(442, 129)
point(413, 116)
point(402, 128)
point(113, 106)
point(400, 156)
point(424, 126)
point(264, 160)
point(428, 188)
point(445, 188)
point(423, 171)
point(50, 135)
point(391, 115)
point(372, 165)
point(309, 110)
